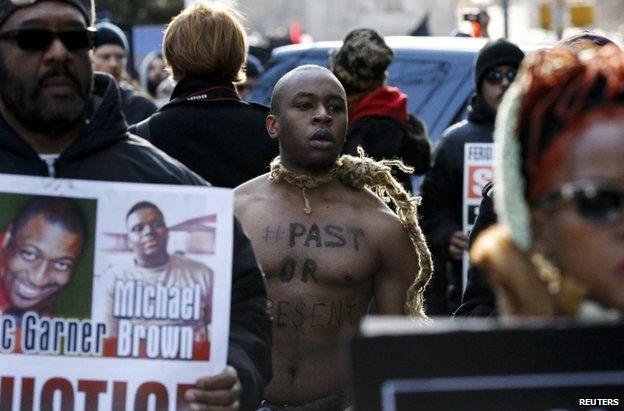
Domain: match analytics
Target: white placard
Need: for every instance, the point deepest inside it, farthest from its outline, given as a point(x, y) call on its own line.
point(478, 169)
point(121, 334)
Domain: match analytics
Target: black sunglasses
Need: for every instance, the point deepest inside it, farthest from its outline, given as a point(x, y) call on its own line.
point(42, 39)
point(495, 77)
point(599, 203)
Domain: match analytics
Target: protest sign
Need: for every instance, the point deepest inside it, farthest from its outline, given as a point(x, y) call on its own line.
point(478, 158)
point(113, 296)
point(481, 365)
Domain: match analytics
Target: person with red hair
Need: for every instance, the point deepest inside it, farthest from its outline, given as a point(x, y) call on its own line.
point(559, 246)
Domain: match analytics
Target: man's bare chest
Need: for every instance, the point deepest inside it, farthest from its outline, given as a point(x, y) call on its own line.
point(314, 249)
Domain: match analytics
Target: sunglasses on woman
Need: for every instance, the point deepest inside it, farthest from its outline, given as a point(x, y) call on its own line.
point(42, 39)
point(596, 202)
point(495, 77)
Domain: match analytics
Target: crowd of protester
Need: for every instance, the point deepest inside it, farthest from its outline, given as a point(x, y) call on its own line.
point(328, 165)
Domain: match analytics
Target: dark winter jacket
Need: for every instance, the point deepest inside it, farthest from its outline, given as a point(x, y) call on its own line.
point(209, 129)
point(442, 186)
point(134, 105)
point(106, 151)
point(380, 124)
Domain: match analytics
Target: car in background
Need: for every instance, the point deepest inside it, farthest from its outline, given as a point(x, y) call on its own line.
point(434, 72)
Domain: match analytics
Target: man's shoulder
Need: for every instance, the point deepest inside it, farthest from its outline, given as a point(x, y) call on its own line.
point(370, 206)
point(255, 187)
point(456, 131)
point(138, 100)
point(252, 193)
point(181, 261)
point(382, 224)
point(466, 131)
point(121, 270)
point(131, 93)
point(148, 164)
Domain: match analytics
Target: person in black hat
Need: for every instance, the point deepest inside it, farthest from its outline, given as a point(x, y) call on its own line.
point(378, 118)
point(204, 47)
point(495, 68)
point(110, 56)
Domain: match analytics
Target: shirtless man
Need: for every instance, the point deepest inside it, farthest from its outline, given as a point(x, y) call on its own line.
point(323, 265)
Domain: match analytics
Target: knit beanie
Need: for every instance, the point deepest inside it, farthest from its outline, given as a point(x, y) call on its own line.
point(496, 53)
point(361, 63)
point(108, 33)
point(8, 7)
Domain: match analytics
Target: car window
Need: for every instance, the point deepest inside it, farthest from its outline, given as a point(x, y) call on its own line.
point(438, 85)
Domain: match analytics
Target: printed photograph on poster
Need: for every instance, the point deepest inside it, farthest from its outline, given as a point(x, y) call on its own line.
point(116, 290)
point(46, 257)
point(159, 283)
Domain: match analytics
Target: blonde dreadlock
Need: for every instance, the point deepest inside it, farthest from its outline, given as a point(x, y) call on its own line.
point(364, 172)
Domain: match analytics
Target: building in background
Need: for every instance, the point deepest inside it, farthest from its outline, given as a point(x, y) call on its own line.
point(332, 19)
point(272, 23)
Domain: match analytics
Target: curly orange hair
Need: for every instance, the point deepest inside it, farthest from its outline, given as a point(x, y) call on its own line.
point(562, 87)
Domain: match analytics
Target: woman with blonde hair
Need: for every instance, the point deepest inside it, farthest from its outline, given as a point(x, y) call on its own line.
point(559, 247)
point(206, 125)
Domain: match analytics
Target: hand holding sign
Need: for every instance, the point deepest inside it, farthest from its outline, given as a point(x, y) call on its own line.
point(219, 392)
point(458, 244)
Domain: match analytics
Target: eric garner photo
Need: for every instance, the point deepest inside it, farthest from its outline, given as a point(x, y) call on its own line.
point(121, 291)
point(46, 257)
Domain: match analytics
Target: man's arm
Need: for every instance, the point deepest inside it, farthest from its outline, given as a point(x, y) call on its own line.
point(250, 324)
point(398, 268)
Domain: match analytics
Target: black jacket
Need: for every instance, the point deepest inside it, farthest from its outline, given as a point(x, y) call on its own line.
point(215, 134)
point(134, 105)
point(106, 151)
point(442, 186)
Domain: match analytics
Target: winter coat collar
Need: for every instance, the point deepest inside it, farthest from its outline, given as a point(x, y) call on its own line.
point(191, 85)
point(479, 111)
point(382, 101)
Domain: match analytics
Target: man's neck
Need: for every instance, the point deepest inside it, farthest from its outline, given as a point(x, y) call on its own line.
point(303, 171)
point(282, 173)
point(40, 142)
point(157, 261)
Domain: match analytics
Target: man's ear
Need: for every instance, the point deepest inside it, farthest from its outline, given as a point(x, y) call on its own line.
point(272, 126)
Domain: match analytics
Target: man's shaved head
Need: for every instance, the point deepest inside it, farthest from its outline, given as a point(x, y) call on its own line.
point(291, 76)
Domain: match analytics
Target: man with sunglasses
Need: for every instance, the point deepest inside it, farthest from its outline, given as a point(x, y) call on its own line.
point(495, 68)
point(59, 119)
